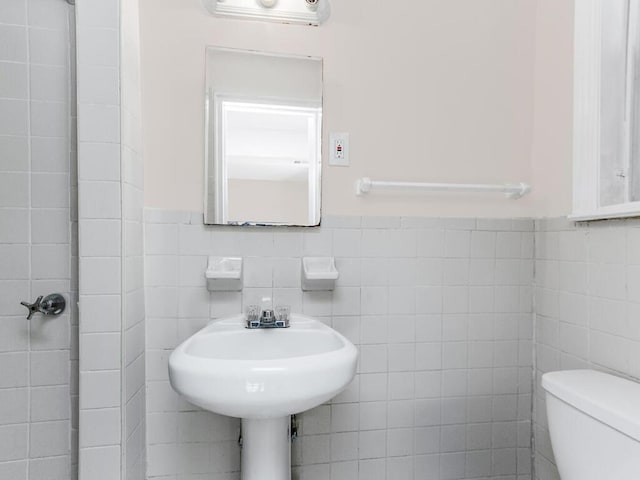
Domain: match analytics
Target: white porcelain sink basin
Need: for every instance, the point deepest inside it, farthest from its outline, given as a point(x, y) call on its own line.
point(262, 373)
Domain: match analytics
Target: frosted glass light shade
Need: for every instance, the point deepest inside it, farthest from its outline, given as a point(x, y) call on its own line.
point(282, 11)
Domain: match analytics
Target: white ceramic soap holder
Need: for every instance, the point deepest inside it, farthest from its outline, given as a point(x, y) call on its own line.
point(224, 274)
point(319, 274)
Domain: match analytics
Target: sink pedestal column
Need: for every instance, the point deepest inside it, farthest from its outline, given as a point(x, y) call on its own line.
point(266, 449)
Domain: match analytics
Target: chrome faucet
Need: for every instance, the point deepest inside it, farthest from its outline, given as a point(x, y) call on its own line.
point(53, 304)
point(267, 317)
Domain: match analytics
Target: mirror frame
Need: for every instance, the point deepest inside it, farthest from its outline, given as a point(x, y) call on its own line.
point(212, 144)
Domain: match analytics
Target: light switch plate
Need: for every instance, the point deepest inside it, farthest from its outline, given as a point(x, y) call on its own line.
point(339, 149)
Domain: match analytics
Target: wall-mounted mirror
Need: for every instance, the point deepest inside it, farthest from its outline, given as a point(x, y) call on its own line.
point(263, 139)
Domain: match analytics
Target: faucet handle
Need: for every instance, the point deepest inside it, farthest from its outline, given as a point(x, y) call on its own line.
point(53, 304)
point(282, 314)
point(33, 307)
point(253, 311)
point(253, 316)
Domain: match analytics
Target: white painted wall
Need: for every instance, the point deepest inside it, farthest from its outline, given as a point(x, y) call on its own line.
point(553, 108)
point(449, 85)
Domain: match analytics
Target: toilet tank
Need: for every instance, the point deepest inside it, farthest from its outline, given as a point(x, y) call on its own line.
point(594, 422)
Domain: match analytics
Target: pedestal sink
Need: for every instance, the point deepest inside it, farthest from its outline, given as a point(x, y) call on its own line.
point(263, 376)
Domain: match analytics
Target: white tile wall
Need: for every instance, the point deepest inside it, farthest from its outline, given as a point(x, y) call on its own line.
point(38, 391)
point(134, 435)
point(112, 356)
point(100, 267)
point(440, 310)
point(587, 296)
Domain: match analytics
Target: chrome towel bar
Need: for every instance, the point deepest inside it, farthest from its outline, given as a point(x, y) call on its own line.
point(517, 190)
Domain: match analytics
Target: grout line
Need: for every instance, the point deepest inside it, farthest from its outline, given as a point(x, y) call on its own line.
point(534, 366)
point(30, 238)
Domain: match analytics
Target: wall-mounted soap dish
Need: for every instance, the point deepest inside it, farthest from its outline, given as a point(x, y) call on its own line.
point(224, 274)
point(319, 274)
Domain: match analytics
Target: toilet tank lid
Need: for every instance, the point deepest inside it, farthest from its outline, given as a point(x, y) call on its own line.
point(612, 400)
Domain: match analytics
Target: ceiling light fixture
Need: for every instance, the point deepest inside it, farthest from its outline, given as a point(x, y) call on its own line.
point(308, 12)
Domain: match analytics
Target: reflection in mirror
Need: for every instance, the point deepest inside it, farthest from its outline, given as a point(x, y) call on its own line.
point(263, 139)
